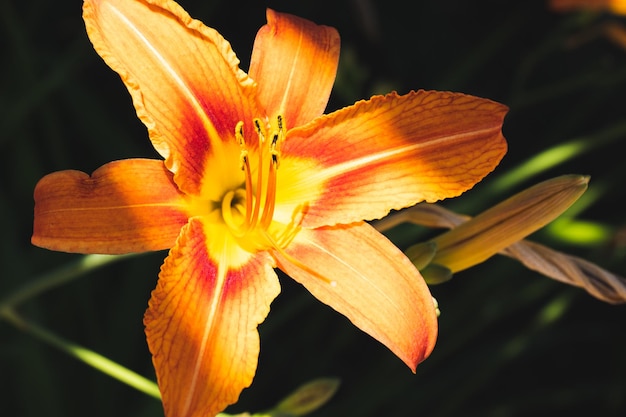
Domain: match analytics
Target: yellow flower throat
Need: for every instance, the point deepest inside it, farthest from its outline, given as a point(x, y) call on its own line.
point(247, 211)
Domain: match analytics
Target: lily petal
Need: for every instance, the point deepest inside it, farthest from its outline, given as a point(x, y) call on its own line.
point(183, 77)
point(125, 206)
point(389, 152)
point(295, 63)
point(362, 275)
point(201, 325)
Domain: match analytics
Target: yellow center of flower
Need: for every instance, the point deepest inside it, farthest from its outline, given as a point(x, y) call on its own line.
point(248, 210)
point(242, 219)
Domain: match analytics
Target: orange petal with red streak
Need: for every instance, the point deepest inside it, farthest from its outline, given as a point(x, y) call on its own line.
point(388, 153)
point(362, 275)
point(294, 62)
point(201, 324)
point(183, 77)
point(125, 206)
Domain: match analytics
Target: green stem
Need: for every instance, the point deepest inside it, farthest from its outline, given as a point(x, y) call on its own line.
point(90, 357)
point(56, 278)
point(83, 354)
point(59, 277)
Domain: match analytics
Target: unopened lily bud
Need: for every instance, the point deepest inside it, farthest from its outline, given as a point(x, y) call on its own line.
point(421, 254)
point(436, 274)
point(512, 220)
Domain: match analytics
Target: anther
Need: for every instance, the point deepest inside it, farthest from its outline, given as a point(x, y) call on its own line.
point(244, 160)
point(274, 151)
point(259, 130)
point(243, 156)
point(239, 133)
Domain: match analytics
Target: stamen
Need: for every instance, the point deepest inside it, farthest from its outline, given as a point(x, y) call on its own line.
point(239, 134)
point(274, 151)
point(242, 144)
point(245, 166)
point(270, 196)
point(265, 192)
point(254, 217)
point(291, 229)
point(259, 130)
point(297, 263)
point(249, 200)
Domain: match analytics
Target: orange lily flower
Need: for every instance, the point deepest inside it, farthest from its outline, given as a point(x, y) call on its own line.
point(255, 177)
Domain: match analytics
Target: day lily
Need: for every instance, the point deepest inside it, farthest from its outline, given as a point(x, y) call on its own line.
point(255, 177)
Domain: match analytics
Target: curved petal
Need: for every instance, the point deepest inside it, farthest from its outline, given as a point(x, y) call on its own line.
point(362, 275)
point(389, 153)
point(183, 77)
point(295, 63)
point(201, 325)
point(124, 206)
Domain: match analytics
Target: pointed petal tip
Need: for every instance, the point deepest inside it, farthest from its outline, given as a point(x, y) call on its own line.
point(375, 286)
point(425, 347)
point(294, 61)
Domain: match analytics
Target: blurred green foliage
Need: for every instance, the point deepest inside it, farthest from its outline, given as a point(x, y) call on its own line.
point(512, 343)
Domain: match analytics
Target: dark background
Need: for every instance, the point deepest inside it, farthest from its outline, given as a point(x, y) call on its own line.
point(512, 343)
